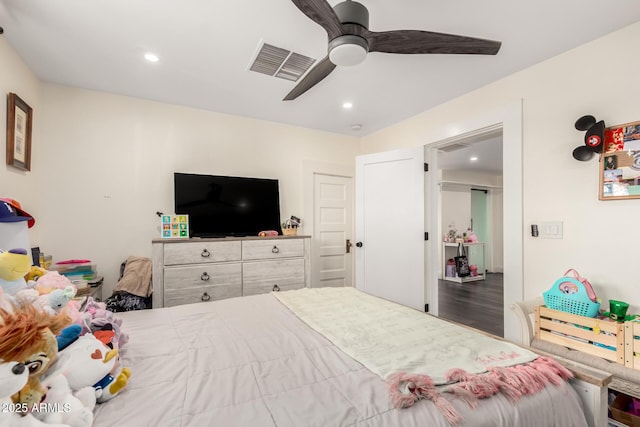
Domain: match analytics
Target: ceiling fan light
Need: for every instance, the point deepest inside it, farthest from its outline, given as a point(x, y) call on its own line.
point(348, 50)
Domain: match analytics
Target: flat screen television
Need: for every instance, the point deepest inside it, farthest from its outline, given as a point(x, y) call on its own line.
point(221, 206)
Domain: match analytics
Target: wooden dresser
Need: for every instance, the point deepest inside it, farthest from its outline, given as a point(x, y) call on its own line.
point(197, 270)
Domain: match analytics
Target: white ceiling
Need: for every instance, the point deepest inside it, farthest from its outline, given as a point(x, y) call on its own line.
point(205, 47)
point(480, 154)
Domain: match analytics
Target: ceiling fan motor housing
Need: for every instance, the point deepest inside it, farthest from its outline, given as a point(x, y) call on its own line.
point(352, 12)
point(349, 49)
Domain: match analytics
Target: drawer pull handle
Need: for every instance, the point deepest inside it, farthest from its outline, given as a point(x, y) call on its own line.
point(275, 250)
point(276, 288)
point(205, 297)
point(205, 277)
point(205, 253)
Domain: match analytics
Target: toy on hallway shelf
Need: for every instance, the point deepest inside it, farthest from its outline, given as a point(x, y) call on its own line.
point(88, 362)
point(29, 337)
point(14, 266)
point(473, 270)
point(471, 236)
point(76, 409)
point(13, 377)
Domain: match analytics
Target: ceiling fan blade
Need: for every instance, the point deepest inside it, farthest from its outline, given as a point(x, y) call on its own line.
point(415, 41)
point(323, 14)
point(313, 77)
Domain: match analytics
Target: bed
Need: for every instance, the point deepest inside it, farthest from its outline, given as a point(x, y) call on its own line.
point(271, 360)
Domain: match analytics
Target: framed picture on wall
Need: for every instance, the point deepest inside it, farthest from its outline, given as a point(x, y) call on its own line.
point(620, 163)
point(19, 124)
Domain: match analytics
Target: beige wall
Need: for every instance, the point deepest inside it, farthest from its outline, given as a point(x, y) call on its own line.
point(599, 78)
point(99, 159)
point(103, 165)
point(16, 77)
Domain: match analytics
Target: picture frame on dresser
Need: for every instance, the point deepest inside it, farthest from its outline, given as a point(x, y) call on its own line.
point(19, 128)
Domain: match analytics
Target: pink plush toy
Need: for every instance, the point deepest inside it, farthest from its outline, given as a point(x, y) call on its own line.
point(471, 237)
point(51, 281)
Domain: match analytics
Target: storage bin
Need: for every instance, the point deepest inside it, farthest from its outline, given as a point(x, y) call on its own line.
point(632, 344)
point(596, 336)
point(619, 408)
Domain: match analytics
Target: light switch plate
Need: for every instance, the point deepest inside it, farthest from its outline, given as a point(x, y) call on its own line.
point(551, 230)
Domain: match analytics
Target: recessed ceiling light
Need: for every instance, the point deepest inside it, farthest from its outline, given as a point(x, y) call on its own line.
point(356, 126)
point(151, 57)
point(347, 105)
point(473, 158)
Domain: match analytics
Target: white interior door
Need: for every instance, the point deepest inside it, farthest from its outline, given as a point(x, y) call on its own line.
point(390, 226)
point(333, 213)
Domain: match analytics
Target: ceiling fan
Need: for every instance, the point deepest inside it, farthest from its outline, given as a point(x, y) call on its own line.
point(350, 40)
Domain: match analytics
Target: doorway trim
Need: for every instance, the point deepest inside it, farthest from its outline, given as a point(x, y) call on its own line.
point(509, 119)
point(309, 169)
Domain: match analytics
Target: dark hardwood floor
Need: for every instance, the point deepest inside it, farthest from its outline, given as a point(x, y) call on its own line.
point(477, 304)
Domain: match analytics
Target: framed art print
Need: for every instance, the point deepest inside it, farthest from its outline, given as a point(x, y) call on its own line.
point(19, 125)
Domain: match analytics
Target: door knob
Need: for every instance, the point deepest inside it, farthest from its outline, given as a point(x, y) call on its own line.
point(359, 244)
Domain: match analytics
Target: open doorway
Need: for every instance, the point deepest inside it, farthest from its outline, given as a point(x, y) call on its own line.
point(508, 118)
point(470, 179)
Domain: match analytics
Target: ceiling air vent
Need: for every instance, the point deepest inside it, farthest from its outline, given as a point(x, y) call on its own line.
point(452, 147)
point(277, 62)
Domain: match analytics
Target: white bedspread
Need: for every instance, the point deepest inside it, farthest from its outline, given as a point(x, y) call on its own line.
point(387, 337)
point(251, 362)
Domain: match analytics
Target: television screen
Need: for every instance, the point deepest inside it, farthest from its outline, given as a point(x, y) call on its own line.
point(226, 205)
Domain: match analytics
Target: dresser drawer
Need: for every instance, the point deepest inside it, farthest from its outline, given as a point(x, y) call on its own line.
point(201, 294)
point(260, 277)
point(269, 249)
point(179, 278)
point(196, 253)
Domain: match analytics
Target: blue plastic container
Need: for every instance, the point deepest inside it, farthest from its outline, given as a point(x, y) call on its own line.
point(569, 295)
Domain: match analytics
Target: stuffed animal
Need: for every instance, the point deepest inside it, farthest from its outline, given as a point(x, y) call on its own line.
point(88, 362)
point(14, 376)
point(96, 317)
point(74, 409)
point(68, 335)
point(28, 336)
point(35, 273)
point(51, 281)
point(54, 302)
point(471, 236)
point(14, 265)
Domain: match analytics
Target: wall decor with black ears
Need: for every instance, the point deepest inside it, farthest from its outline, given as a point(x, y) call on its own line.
point(593, 138)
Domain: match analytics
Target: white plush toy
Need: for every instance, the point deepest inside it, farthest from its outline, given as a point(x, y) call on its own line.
point(89, 362)
point(75, 410)
point(52, 302)
point(13, 376)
